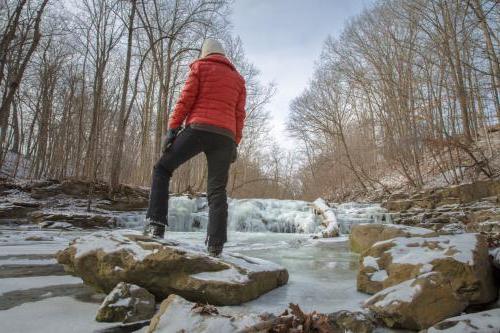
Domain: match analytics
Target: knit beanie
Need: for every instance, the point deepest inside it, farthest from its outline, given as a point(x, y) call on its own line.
point(211, 46)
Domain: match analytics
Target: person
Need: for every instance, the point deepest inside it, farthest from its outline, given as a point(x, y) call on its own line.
point(212, 107)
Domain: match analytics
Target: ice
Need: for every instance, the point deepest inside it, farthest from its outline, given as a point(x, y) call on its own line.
point(266, 215)
point(329, 218)
point(322, 274)
point(16, 261)
point(55, 315)
point(23, 283)
point(351, 213)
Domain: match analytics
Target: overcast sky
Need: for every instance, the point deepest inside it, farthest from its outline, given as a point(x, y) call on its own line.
point(283, 38)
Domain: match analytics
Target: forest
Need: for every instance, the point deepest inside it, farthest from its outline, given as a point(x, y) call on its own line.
point(409, 90)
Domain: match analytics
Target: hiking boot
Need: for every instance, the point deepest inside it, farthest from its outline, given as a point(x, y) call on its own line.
point(215, 250)
point(154, 229)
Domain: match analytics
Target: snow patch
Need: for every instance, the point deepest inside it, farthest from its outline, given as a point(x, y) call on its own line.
point(370, 261)
point(418, 250)
point(400, 293)
point(379, 276)
point(484, 322)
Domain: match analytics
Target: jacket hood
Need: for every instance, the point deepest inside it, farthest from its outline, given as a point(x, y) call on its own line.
point(216, 58)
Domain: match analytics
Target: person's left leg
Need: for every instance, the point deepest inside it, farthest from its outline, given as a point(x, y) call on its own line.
point(219, 154)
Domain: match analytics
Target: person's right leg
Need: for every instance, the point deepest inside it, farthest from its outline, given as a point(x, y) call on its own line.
point(185, 146)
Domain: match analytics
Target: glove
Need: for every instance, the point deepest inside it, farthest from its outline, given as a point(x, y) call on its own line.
point(169, 138)
point(235, 153)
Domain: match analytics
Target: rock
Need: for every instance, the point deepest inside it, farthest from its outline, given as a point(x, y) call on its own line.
point(449, 195)
point(364, 235)
point(452, 229)
point(127, 303)
point(102, 259)
point(347, 321)
point(55, 225)
point(487, 227)
point(483, 215)
point(15, 210)
point(462, 259)
point(480, 322)
point(80, 219)
point(125, 198)
point(398, 205)
point(178, 315)
point(417, 303)
point(495, 257)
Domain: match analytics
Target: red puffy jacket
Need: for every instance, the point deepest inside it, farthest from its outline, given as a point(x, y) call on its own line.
point(214, 94)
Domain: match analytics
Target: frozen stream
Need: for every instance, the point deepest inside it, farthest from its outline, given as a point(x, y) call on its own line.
point(37, 296)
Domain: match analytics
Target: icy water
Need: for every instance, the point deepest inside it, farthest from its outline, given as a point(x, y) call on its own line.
point(36, 295)
point(34, 287)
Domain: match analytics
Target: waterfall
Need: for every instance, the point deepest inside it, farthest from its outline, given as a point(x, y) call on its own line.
point(262, 215)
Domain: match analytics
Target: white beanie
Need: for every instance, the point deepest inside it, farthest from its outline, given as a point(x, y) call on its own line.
point(210, 46)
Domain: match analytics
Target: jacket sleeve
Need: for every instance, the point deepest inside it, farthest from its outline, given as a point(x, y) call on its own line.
point(187, 98)
point(240, 114)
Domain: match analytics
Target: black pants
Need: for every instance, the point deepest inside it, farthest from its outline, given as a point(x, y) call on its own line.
point(218, 150)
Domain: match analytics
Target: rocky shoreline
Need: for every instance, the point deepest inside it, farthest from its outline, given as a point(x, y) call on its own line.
point(435, 269)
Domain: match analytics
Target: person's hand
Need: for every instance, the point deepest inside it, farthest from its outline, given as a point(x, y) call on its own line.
point(234, 157)
point(169, 138)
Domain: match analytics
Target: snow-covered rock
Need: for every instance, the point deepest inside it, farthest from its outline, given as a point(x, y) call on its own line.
point(329, 219)
point(80, 219)
point(462, 260)
point(105, 258)
point(417, 303)
point(364, 235)
point(127, 303)
point(347, 321)
point(178, 315)
point(480, 322)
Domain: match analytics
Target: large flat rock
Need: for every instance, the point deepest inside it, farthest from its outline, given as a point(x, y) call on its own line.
point(103, 259)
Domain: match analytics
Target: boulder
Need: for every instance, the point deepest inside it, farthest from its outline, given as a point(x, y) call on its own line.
point(417, 303)
point(462, 260)
point(398, 205)
point(178, 315)
point(103, 259)
point(126, 303)
point(364, 235)
point(347, 321)
point(480, 322)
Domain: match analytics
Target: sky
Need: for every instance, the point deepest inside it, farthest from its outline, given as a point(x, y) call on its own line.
point(284, 38)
